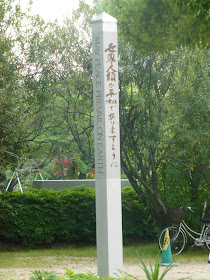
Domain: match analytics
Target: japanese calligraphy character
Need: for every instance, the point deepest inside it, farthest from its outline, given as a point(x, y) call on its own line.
point(111, 58)
point(110, 101)
point(111, 116)
point(114, 164)
point(111, 76)
point(111, 48)
point(113, 138)
point(111, 93)
point(111, 68)
point(111, 85)
point(112, 130)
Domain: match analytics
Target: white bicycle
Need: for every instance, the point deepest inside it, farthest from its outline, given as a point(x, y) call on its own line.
point(178, 236)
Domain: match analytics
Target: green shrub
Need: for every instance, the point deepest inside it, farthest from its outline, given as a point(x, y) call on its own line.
point(40, 217)
point(138, 224)
point(44, 275)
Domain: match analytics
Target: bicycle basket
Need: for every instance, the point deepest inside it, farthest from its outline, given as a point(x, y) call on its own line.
point(175, 214)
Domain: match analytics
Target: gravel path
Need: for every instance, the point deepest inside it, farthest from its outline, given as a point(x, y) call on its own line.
point(190, 270)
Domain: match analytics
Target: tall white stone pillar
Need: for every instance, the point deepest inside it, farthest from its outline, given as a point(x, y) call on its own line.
point(107, 146)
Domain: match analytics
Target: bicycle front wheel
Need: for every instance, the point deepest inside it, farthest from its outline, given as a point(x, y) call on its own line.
point(178, 239)
point(207, 237)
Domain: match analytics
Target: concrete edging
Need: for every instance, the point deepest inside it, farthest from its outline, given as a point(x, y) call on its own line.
point(58, 185)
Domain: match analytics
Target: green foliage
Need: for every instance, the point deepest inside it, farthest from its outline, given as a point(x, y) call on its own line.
point(91, 174)
point(40, 217)
point(144, 90)
point(138, 223)
point(62, 86)
point(43, 275)
point(89, 276)
point(188, 132)
point(12, 95)
point(153, 273)
point(45, 86)
point(46, 98)
point(161, 25)
point(70, 275)
point(69, 168)
point(164, 126)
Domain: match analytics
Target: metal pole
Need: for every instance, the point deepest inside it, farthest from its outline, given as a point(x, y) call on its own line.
point(10, 181)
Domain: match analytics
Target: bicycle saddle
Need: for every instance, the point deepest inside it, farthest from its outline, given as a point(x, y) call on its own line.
point(205, 220)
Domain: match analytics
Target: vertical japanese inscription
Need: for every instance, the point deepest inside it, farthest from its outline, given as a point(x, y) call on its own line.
point(99, 138)
point(111, 99)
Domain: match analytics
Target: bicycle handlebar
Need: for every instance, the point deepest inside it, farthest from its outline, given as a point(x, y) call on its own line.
point(189, 208)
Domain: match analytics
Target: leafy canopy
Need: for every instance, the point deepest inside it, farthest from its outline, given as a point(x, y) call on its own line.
point(159, 25)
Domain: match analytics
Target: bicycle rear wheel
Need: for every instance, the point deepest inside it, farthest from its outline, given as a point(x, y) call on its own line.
point(207, 237)
point(178, 239)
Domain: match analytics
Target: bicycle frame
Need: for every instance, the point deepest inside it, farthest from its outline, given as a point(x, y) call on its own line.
point(200, 238)
point(179, 232)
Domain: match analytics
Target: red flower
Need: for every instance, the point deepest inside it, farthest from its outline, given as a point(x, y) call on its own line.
point(67, 160)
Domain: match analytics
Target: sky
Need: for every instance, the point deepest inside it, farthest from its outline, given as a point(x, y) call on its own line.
point(53, 9)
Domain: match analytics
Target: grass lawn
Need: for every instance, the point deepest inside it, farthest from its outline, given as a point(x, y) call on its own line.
point(18, 264)
point(14, 257)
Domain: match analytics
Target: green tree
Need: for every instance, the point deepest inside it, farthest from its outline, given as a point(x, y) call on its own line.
point(189, 126)
point(164, 94)
point(161, 25)
point(21, 121)
point(13, 116)
point(57, 72)
point(144, 87)
point(164, 126)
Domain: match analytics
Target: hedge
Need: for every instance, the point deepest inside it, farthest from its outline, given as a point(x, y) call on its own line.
point(40, 217)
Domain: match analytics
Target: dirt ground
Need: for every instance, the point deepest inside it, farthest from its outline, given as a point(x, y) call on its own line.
point(190, 270)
